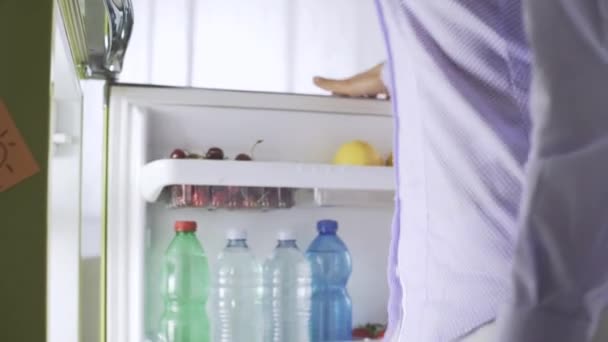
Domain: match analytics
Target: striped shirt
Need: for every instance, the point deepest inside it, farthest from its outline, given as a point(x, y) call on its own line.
point(459, 73)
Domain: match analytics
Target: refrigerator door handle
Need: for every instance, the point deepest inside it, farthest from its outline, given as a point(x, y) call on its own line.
point(120, 26)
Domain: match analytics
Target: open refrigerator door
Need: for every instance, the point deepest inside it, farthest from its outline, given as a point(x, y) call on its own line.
point(278, 189)
point(64, 192)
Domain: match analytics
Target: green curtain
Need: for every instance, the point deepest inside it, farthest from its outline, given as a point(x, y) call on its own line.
point(25, 62)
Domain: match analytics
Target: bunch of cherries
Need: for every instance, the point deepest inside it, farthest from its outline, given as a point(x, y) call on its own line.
point(231, 197)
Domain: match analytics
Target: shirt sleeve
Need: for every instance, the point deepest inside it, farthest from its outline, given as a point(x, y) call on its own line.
point(560, 273)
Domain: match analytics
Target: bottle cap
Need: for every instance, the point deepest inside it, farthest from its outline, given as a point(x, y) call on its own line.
point(185, 226)
point(286, 235)
point(236, 234)
point(327, 226)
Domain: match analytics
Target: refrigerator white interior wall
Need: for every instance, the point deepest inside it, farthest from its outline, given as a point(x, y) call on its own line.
point(145, 126)
point(259, 45)
point(126, 221)
point(287, 136)
point(64, 195)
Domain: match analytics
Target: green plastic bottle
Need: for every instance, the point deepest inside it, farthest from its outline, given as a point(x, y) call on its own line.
point(185, 288)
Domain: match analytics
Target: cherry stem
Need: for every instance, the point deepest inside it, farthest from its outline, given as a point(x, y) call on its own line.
point(254, 146)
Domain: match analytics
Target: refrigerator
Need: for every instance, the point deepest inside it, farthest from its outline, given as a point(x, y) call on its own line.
point(291, 179)
point(300, 136)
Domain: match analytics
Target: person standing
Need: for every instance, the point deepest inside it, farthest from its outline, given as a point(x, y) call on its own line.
point(476, 234)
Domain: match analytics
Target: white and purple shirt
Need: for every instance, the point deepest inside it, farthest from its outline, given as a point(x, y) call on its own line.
point(460, 75)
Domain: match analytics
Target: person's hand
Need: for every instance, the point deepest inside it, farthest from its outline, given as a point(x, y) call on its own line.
point(366, 84)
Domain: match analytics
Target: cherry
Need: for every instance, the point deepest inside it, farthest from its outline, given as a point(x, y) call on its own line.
point(178, 154)
point(243, 156)
point(215, 153)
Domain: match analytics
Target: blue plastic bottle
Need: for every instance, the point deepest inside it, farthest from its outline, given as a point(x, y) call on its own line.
point(331, 308)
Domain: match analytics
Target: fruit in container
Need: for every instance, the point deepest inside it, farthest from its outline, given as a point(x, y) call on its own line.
point(235, 199)
point(369, 331)
point(286, 199)
point(263, 201)
point(201, 197)
point(230, 197)
point(246, 197)
point(280, 197)
point(250, 201)
point(181, 195)
point(185, 195)
point(220, 195)
point(358, 152)
point(223, 197)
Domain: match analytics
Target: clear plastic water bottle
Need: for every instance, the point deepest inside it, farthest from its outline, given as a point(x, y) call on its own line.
point(185, 288)
point(331, 312)
point(238, 293)
point(288, 279)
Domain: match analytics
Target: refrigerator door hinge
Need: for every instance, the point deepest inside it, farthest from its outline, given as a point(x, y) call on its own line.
point(108, 37)
point(120, 26)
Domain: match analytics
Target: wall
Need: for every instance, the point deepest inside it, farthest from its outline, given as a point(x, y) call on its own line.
point(25, 69)
point(266, 45)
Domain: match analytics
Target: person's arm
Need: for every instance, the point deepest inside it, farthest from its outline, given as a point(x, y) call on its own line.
point(561, 264)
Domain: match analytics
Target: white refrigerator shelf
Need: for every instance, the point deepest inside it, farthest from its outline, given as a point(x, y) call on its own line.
point(155, 176)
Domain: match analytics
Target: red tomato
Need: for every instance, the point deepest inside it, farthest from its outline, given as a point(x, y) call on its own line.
point(360, 332)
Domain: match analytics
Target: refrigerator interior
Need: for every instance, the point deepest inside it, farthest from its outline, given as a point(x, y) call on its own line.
point(300, 136)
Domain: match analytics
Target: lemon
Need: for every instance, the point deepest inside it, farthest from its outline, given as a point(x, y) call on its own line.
point(357, 152)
